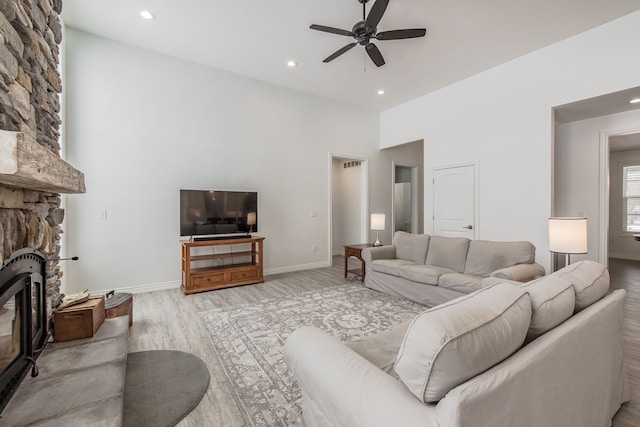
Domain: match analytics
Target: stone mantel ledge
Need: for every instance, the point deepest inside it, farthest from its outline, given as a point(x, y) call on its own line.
point(26, 164)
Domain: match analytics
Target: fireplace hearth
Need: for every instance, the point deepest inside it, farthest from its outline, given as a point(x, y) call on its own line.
point(24, 318)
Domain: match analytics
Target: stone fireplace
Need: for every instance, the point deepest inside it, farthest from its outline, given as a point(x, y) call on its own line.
point(32, 174)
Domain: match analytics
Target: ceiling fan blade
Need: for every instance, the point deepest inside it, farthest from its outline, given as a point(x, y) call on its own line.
point(331, 30)
point(376, 12)
point(339, 52)
point(401, 34)
point(374, 54)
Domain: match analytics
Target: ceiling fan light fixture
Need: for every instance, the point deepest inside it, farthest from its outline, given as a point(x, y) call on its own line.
point(292, 64)
point(145, 14)
point(363, 32)
point(380, 91)
point(634, 101)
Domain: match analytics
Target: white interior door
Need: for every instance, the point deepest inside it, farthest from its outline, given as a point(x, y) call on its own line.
point(454, 201)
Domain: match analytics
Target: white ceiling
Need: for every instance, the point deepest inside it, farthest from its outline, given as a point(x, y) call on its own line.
point(255, 38)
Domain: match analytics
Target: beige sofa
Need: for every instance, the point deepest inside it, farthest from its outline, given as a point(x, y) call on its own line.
point(432, 270)
point(546, 353)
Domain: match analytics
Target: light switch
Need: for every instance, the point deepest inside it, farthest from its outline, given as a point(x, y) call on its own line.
point(102, 214)
point(314, 213)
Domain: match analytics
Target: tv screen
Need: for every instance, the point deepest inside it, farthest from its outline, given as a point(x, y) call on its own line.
point(210, 212)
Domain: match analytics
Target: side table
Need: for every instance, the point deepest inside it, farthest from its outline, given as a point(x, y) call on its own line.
point(356, 252)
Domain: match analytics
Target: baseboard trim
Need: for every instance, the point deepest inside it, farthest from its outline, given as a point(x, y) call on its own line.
point(141, 289)
point(299, 267)
point(153, 287)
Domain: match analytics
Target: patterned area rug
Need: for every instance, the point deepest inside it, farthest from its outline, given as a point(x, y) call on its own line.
point(249, 341)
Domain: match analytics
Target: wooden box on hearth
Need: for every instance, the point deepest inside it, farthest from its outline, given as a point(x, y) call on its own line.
point(80, 320)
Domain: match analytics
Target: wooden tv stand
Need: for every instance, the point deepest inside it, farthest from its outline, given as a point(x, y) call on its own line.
point(205, 268)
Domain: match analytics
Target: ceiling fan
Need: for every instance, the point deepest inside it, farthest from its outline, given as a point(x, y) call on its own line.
point(365, 30)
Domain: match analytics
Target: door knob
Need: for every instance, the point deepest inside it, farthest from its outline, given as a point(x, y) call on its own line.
point(469, 227)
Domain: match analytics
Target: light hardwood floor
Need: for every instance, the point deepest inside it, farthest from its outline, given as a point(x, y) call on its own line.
point(169, 320)
point(626, 275)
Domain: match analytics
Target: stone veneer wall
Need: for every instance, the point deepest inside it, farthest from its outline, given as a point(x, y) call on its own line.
point(30, 87)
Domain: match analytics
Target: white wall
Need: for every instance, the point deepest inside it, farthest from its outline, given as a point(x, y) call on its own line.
point(621, 243)
point(141, 126)
point(502, 119)
point(577, 178)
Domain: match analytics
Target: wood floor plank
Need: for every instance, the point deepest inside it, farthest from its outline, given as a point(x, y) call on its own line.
point(169, 320)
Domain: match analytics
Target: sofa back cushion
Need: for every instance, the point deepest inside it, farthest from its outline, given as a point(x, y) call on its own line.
point(590, 281)
point(453, 342)
point(552, 302)
point(485, 257)
point(448, 252)
point(411, 247)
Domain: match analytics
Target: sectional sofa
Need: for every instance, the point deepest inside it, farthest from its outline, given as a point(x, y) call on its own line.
point(544, 353)
point(432, 270)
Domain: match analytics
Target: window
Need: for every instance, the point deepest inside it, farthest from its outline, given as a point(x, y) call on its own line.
point(631, 198)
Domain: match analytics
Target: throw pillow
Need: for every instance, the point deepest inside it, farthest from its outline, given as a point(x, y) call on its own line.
point(552, 302)
point(590, 281)
point(453, 342)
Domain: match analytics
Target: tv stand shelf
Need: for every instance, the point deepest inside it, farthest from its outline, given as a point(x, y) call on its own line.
point(224, 269)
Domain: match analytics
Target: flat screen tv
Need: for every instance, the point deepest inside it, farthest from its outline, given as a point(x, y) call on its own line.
point(214, 212)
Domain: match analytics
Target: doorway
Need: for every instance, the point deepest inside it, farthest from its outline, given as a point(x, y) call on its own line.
point(582, 168)
point(621, 210)
point(404, 213)
point(348, 202)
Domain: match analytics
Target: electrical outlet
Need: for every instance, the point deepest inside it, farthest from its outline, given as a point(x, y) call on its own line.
point(313, 213)
point(581, 214)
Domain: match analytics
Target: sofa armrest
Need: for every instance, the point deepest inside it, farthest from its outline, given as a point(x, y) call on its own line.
point(378, 252)
point(347, 389)
point(520, 272)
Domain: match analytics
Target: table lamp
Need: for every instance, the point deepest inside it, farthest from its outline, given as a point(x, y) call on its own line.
point(377, 224)
point(251, 221)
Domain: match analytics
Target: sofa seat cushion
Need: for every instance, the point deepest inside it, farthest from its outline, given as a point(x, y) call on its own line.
point(429, 274)
point(411, 247)
point(590, 281)
point(465, 283)
point(382, 348)
point(455, 341)
point(390, 266)
point(552, 302)
point(448, 252)
point(485, 257)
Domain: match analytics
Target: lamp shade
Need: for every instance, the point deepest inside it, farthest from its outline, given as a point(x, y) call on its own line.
point(568, 235)
point(377, 222)
point(251, 218)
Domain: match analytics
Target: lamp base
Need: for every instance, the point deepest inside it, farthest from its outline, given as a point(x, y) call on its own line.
point(377, 242)
point(567, 261)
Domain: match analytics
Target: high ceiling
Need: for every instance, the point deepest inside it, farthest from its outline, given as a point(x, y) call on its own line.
point(256, 38)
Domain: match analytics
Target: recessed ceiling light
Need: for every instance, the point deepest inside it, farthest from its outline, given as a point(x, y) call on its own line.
point(380, 92)
point(147, 15)
point(634, 101)
point(292, 64)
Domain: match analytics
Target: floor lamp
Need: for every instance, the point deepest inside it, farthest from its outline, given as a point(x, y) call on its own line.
point(568, 235)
